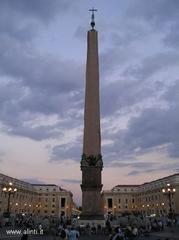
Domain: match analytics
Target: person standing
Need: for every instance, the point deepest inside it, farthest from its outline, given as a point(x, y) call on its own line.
point(24, 236)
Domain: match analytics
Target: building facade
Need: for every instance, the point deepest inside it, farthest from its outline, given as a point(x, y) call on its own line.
point(38, 199)
point(53, 200)
point(147, 198)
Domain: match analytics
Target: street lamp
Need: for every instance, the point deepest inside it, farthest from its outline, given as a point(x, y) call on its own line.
point(157, 209)
point(9, 189)
point(169, 191)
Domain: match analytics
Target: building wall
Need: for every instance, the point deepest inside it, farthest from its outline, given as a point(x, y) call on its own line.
point(54, 201)
point(42, 200)
point(51, 200)
point(120, 199)
point(22, 201)
point(146, 198)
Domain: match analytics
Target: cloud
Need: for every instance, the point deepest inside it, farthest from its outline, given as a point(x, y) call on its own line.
point(35, 133)
point(71, 151)
point(41, 10)
point(32, 180)
point(159, 12)
point(2, 154)
point(173, 149)
point(160, 16)
point(172, 94)
point(25, 112)
point(138, 165)
point(136, 172)
point(153, 64)
point(81, 33)
point(28, 18)
point(161, 167)
point(33, 86)
point(152, 128)
point(171, 39)
point(110, 59)
point(125, 94)
point(73, 181)
point(42, 73)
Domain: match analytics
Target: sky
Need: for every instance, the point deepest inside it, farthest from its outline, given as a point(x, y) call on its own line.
point(42, 79)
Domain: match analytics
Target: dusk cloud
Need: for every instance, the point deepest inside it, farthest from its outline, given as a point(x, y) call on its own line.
point(33, 181)
point(159, 12)
point(64, 152)
point(73, 181)
point(174, 166)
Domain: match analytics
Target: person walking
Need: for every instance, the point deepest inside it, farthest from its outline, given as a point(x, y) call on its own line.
point(63, 233)
point(73, 234)
point(118, 234)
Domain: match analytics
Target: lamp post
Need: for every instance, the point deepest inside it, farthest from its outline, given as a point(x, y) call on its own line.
point(9, 189)
point(169, 191)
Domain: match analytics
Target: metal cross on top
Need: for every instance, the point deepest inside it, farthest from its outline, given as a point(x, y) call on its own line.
point(92, 17)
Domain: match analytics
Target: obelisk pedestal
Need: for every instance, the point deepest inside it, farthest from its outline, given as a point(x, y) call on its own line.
point(91, 163)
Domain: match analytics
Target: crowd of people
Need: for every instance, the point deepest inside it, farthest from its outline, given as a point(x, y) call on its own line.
point(61, 228)
point(130, 227)
point(116, 228)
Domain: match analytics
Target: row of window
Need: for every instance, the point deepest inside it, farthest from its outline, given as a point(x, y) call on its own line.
point(47, 189)
point(20, 196)
point(47, 194)
point(110, 201)
point(46, 211)
point(47, 200)
point(125, 190)
point(52, 206)
point(126, 200)
point(152, 198)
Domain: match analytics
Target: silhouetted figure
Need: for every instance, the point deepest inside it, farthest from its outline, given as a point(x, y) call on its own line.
point(24, 237)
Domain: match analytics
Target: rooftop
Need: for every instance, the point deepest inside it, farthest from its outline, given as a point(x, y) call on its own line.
point(138, 185)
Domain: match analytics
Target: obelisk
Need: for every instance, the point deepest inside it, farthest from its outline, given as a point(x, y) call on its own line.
point(91, 163)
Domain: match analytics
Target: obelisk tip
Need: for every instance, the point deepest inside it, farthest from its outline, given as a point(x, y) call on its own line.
point(92, 17)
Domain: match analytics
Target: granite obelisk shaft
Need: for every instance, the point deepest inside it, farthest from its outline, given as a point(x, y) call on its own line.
point(91, 163)
point(92, 135)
